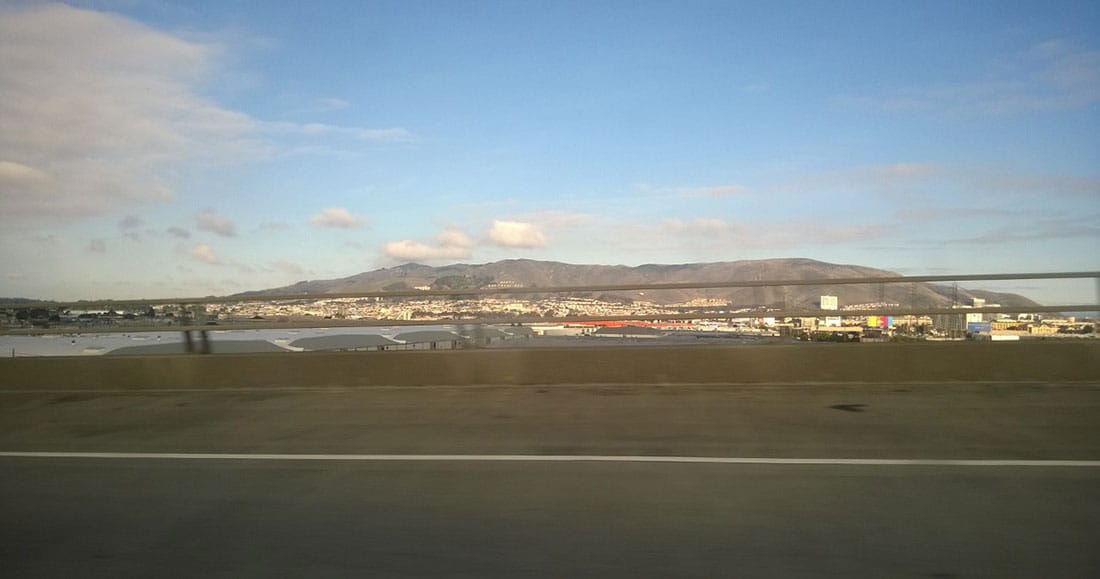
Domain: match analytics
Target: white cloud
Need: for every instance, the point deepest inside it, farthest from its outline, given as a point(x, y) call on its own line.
point(337, 217)
point(101, 112)
point(407, 249)
point(517, 234)
point(205, 254)
point(216, 223)
point(454, 238)
point(449, 244)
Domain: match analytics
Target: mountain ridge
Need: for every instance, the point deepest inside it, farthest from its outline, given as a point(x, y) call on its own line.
point(536, 273)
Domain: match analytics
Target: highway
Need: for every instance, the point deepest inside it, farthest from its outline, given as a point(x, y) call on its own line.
point(305, 481)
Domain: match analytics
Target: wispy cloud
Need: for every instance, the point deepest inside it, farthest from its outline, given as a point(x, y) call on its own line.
point(97, 246)
point(714, 191)
point(86, 132)
point(336, 217)
point(130, 223)
point(130, 226)
point(733, 235)
point(332, 104)
point(216, 223)
point(916, 180)
point(554, 219)
point(1046, 228)
point(274, 226)
point(1004, 180)
point(179, 232)
point(1050, 76)
point(393, 134)
point(702, 226)
point(887, 177)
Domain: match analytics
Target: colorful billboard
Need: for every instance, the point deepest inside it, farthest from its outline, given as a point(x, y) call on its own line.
point(879, 321)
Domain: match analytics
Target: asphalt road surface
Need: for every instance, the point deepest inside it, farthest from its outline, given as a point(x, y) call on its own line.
point(304, 482)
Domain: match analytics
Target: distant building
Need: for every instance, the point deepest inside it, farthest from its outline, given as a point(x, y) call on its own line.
point(628, 332)
point(430, 340)
point(830, 303)
point(352, 342)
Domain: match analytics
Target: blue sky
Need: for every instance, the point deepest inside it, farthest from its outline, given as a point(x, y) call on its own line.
point(159, 148)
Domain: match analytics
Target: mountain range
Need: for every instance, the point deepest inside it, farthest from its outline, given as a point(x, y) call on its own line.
point(534, 273)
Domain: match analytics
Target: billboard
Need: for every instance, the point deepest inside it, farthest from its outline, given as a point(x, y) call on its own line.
point(879, 321)
point(979, 327)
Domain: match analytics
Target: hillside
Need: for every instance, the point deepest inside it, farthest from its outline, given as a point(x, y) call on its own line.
point(533, 273)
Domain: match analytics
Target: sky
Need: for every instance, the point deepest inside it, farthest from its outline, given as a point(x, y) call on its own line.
point(162, 148)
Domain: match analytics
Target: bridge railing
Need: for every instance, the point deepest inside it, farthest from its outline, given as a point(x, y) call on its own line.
point(707, 313)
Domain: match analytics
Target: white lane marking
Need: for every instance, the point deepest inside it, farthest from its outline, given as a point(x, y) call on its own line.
point(557, 458)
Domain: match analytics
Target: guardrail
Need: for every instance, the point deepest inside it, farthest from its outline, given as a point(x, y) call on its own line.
point(896, 311)
point(362, 323)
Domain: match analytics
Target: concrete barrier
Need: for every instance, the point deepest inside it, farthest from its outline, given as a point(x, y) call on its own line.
point(1077, 361)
